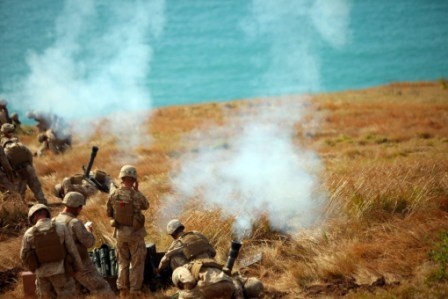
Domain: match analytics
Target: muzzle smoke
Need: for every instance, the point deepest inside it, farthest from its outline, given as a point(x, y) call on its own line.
point(98, 64)
point(260, 171)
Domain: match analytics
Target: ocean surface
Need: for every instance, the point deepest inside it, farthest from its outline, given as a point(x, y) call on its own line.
point(60, 55)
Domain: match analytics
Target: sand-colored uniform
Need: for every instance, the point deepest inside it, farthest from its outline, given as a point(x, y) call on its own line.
point(89, 276)
point(175, 255)
point(131, 247)
point(210, 282)
point(77, 183)
point(25, 173)
point(51, 142)
point(6, 174)
point(51, 278)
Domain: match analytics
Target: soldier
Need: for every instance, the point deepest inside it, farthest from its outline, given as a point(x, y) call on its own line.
point(6, 175)
point(4, 114)
point(203, 279)
point(124, 206)
point(15, 119)
point(21, 160)
point(44, 248)
point(89, 276)
point(186, 247)
point(51, 142)
point(99, 180)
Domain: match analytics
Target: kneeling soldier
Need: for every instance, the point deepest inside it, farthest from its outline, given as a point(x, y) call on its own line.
point(89, 277)
point(45, 247)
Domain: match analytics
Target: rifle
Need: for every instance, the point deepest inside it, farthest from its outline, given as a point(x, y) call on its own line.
point(87, 176)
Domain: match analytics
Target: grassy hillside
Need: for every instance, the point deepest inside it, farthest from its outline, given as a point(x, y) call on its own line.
point(382, 228)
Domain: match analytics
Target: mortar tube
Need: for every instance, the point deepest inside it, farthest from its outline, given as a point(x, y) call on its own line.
point(233, 254)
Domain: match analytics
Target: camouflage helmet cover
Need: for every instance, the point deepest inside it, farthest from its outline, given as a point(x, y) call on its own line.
point(7, 128)
point(173, 225)
point(128, 171)
point(58, 191)
point(253, 288)
point(74, 199)
point(35, 208)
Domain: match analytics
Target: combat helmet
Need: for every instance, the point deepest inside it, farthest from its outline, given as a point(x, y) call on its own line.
point(58, 191)
point(7, 128)
point(74, 199)
point(128, 171)
point(183, 279)
point(253, 288)
point(35, 208)
point(173, 225)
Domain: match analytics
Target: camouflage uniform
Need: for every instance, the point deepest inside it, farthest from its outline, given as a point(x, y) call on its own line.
point(4, 114)
point(79, 184)
point(89, 277)
point(51, 142)
point(6, 175)
point(205, 279)
point(175, 257)
point(131, 247)
point(51, 278)
point(25, 171)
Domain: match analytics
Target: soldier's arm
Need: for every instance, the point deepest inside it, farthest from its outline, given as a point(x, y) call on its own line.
point(5, 164)
point(84, 237)
point(25, 248)
point(109, 208)
point(71, 249)
point(144, 204)
point(174, 248)
point(66, 185)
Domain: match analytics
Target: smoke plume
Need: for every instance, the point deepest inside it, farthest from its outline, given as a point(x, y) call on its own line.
point(98, 64)
point(261, 172)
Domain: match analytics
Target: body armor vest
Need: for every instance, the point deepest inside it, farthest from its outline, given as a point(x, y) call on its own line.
point(123, 207)
point(48, 246)
point(18, 154)
point(194, 245)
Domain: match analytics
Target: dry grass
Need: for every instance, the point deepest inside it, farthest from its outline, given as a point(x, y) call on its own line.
point(385, 155)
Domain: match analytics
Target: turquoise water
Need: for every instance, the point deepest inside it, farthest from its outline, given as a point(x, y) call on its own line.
point(61, 54)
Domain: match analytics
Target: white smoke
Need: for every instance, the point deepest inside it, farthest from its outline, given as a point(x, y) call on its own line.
point(98, 63)
point(261, 172)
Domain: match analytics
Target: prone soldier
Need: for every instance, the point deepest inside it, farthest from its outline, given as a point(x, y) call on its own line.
point(45, 247)
point(89, 276)
point(21, 160)
point(124, 206)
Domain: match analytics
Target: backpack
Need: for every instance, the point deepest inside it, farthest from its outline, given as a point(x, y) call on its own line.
point(18, 154)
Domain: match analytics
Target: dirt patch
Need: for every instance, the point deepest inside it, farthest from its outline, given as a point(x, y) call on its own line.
point(8, 279)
